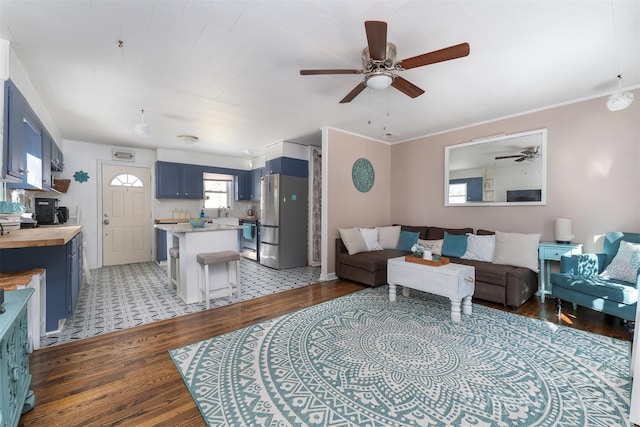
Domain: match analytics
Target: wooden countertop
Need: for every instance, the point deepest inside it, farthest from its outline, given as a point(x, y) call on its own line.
point(11, 281)
point(39, 236)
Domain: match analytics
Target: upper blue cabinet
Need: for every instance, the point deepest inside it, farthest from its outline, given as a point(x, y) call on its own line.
point(22, 142)
point(179, 181)
point(30, 153)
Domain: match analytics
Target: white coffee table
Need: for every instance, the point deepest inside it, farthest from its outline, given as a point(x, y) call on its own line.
point(454, 281)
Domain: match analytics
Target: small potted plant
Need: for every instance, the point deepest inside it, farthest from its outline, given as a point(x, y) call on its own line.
point(417, 250)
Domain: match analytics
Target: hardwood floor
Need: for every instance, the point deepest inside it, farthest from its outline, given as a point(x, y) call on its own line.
point(128, 377)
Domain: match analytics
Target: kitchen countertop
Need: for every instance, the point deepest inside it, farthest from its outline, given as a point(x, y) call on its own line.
point(40, 236)
point(188, 228)
point(11, 281)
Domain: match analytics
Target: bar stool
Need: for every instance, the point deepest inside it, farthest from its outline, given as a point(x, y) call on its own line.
point(174, 267)
point(206, 259)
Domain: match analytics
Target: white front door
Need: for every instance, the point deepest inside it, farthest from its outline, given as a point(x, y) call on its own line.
point(126, 214)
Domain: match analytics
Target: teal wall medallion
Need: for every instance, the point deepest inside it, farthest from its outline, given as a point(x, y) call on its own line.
point(363, 175)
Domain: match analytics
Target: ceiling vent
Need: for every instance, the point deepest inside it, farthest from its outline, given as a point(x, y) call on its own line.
point(123, 156)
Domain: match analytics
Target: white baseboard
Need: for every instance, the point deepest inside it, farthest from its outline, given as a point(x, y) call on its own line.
point(330, 276)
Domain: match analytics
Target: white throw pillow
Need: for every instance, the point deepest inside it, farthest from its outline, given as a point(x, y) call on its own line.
point(480, 248)
point(517, 249)
point(388, 236)
point(435, 246)
point(352, 239)
point(625, 264)
point(370, 236)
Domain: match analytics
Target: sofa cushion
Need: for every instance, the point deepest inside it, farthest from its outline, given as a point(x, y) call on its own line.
point(598, 287)
point(625, 264)
point(370, 237)
point(520, 250)
point(480, 248)
point(436, 233)
point(482, 232)
point(454, 245)
point(414, 229)
point(388, 236)
point(407, 240)
point(435, 246)
point(496, 274)
point(353, 241)
point(370, 261)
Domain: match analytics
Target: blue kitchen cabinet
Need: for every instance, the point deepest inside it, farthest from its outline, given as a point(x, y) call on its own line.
point(179, 181)
point(57, 157)
point(242, 185)
point(64, 274)
point(256, 179)
point(287, 166)
point(161, 245)
point(47, 180)
point(22, 142)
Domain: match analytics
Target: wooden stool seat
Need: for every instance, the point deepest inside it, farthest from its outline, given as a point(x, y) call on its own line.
point(174, 267)
point(206, 259)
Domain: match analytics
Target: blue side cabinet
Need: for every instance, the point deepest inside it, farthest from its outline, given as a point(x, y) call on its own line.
point(15, 379)
point(64, 274)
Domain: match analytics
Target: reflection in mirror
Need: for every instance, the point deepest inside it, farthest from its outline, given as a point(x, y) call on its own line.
point(498, 171)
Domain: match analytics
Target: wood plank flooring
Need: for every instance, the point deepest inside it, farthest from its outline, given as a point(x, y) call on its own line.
point(128, 378)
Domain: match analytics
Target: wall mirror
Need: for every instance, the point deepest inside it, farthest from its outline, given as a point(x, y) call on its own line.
point(504, 170)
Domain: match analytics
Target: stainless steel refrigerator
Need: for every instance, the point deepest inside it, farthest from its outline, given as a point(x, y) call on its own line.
point(283, 221)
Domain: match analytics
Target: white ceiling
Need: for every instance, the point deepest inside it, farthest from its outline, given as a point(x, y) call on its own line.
point(228, 71)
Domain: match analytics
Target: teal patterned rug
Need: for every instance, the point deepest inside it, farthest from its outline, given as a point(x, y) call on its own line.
point(360, 360)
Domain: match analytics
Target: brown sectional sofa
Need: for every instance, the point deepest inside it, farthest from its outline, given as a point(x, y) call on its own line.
point(503, 284)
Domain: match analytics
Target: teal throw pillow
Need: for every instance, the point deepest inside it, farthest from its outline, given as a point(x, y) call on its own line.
point(454, 245)
point(406, 240)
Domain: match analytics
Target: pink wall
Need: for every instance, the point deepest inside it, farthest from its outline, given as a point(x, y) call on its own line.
point(593, 175)
point(348, 207)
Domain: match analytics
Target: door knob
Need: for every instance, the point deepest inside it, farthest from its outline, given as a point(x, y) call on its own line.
point(105, 222)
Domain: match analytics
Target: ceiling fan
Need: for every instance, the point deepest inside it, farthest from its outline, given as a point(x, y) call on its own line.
point(380, 67)
point(528, 153)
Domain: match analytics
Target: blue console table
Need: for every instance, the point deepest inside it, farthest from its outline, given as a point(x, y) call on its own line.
point(15, 379)
point(550, 251)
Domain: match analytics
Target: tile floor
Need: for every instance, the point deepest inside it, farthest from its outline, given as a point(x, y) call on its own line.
point(120, 297)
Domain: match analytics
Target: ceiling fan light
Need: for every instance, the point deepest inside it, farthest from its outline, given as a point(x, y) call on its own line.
point(379, 81)
point(619, 101)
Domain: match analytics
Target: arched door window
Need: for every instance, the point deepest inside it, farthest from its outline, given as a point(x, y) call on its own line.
point(126, 180)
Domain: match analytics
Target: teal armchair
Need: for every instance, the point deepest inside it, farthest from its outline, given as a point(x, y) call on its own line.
point(580, 283)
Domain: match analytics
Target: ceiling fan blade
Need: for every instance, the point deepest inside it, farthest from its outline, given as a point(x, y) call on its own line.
point(508, 157)
point(406, 87)
point(377, 39)
point(521, 159)
point(452, 52)
point(330, 71)
point(355, 92)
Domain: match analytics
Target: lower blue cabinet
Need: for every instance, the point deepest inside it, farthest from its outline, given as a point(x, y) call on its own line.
point(64, 274)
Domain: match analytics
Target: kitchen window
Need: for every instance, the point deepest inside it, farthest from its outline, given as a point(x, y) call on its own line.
point(217, 190)
point(457, 193)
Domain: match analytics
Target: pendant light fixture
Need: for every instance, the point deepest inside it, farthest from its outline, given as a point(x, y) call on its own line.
point(142, 129)
point(619, 100)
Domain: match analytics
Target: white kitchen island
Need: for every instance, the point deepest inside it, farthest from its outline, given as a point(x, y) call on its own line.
point(194, 240)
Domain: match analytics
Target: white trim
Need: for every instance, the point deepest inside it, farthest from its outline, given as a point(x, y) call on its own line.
point(511, 116)
point(324, 211)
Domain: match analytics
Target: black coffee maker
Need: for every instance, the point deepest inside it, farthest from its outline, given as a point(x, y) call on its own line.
point(46, 210)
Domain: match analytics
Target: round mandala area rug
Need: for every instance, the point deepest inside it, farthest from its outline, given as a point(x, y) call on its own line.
point(361, 360)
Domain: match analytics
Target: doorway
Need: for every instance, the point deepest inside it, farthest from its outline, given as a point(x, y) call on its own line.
point(126, 214)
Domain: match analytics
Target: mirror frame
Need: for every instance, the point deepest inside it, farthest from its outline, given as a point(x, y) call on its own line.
point(500, 140)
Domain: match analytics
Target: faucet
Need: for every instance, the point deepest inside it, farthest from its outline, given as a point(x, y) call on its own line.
point(220, 209)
